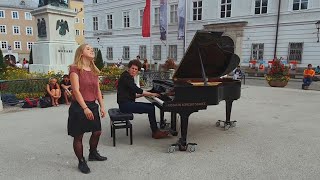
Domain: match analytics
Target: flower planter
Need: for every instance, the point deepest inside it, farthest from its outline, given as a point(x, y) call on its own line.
point(277, 83)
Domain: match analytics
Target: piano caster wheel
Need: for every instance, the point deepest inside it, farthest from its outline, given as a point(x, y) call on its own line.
point(171, 149)
point(191, 148)
point(233, 124)
point(226, 126)
point(218, 124)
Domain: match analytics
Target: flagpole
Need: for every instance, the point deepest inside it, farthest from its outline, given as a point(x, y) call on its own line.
point(151, 33)
point(185, 27)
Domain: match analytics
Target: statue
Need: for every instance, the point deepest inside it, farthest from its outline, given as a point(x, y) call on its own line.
point(63, 27)
point(42, 29)
point(57, 3)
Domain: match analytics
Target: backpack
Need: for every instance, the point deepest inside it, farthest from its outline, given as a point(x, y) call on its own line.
point(45, 102)
point(30, 103)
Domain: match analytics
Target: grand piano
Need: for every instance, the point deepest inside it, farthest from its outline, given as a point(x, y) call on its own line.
point(196, 84)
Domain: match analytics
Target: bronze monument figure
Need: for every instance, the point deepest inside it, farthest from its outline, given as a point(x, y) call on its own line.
point(57, 3)
point(63, 24)
point(42, 29)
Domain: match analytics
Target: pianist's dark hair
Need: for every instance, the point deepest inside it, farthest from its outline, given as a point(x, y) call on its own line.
point(136, 63)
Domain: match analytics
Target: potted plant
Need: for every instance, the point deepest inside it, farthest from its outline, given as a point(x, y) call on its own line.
point(278, 75)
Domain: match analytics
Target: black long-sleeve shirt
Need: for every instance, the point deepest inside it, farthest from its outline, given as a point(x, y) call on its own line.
point(127, 89)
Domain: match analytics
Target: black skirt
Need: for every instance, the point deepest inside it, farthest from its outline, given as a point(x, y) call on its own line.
point(78, 123)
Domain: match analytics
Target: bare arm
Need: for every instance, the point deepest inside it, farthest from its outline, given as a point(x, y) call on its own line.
point(101, 102)
point(48, 90)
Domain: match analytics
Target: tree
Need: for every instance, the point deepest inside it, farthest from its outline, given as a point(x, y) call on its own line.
point(99, 60)
point(2, 63)
point(30, 57)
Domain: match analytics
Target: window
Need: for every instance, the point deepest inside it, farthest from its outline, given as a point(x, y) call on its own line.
point(29, 31)
point(126, 52)
point(4, 44)
point(15, 14)
point(95, 50)
point(225, 8)
point(295, 51)
point(173, 14)
point(82, 32)
point(94, 1)
point(143, 52)
point(300, 4)
point(2, 14)
point(110, 53)
point(83, 20)
point(141, 17)
point(27, 16)
point(95, 23)
point(261, 6)
point(126, 19)
point(3, 29)
point(109, 21)
point(257, 51)
point(29, 45)
point(157, 52)
point(77, 20)
point(173, 51)
point(77, 32)
point(197, 10)
point(16, 30)
point(156, 15)
point(75, 10)
point(17, 44)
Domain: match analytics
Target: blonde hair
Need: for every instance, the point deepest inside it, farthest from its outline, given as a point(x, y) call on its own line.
point(78, 60)
point(52, 78)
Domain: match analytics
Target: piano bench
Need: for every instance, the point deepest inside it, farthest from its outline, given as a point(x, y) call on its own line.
point(119, 120)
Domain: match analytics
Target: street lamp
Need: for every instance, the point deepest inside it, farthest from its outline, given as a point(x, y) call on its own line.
point(98, 39)
point(318, 28)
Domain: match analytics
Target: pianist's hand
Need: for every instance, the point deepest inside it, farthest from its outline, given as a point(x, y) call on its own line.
point(146, 93)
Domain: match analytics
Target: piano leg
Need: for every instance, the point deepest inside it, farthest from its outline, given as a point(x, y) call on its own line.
point(228, 111)
point(227, 122)
point(162, 121)
point(182, 142)
point(173, 129)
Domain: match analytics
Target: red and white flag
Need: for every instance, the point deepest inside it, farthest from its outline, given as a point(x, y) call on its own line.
point(146, 20)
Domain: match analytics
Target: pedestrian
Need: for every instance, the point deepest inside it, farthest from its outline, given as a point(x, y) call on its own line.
point(84, 111)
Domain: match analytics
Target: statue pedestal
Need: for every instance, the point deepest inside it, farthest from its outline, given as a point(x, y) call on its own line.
point(56, 45)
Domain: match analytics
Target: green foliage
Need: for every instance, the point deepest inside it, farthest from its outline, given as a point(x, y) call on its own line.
point(2, 63)
point(111, 71)
point(99, 60)
point(30, 57)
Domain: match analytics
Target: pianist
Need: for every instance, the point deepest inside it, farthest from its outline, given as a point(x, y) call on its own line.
point(128, 92)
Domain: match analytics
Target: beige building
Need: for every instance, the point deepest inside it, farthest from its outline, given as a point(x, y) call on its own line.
point(77, 5)
point(18, 30)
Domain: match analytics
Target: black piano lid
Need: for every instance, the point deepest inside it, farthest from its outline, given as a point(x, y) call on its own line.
point(216, 61)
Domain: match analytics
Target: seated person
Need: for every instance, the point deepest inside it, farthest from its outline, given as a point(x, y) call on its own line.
point(237, 73)
point(53, 91)
point(127, 93)
point(66, 88)
point(308, 74)
point(317, 70)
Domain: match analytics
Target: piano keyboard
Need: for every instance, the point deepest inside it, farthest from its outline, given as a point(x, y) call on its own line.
point(158, 100)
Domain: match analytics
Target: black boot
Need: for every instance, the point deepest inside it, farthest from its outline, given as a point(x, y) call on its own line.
point(83, 167)
point(95, 156)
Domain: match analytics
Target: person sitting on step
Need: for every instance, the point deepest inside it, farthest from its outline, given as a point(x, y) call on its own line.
point(308, 74)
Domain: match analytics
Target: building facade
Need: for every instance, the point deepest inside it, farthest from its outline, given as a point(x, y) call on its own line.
point(253, 29)
point(17, 29)
point(77, 5)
